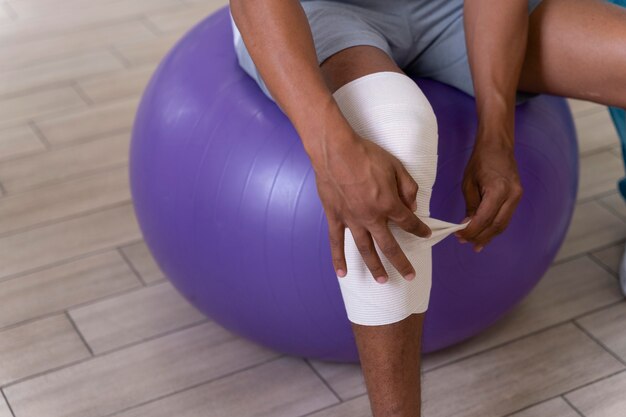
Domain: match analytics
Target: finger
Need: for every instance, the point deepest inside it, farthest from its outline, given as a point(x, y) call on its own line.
point(408, 220)
point(500, 222)
point(336, 234)
point(486, 212)
point(365, 245)
point(472, 196)
point(407, 187)
point(392, 251)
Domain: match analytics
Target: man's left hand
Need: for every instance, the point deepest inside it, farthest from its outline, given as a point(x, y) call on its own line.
point(492, 190)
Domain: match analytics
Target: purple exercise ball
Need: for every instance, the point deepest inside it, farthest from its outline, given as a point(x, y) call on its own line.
point(225, 196)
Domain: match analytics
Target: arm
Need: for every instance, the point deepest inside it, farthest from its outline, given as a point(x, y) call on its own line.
point(496, 36)
point(348, 168)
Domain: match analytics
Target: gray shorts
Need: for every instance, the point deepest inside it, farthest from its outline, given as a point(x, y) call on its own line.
point(425, 38)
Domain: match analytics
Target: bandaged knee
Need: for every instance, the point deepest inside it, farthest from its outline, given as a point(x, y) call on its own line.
point(389, 109)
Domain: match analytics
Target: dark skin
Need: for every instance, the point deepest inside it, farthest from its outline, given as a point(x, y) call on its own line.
point(571, 48)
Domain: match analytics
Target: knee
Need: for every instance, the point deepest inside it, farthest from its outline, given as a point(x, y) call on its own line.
point(390, 109)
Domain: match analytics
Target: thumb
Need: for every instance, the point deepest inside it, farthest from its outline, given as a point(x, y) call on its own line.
point(407, 187)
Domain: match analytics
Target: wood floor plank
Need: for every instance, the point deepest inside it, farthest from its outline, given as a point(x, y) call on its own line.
point(26, 107)
point(4, 408)
point(595, 131)
point(177, 20)
point(90, 122)
point(346, 379)
point(20, 140)
point(609, 327)
point(595, 181)
point(509, 378)
point(142, 261)
point(65, 163)
point(23, 54)
point(611, 257)
point(133, 317)
point(603, 399)
point(592, 227)
point(582, 107)
point(289, 388)
point(55, 289)
point(68, 19)
point(147, 51)
point(61, 241)
point(59, 70)
point(63, 200)
point(616, 203)
point(357, 407)
point(137, 374)
point(568, 290)
point(552, 408)
point(37, 347)
point(118, 85)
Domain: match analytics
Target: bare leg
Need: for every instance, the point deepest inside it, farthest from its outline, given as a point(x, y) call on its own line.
point(390, 354)
point(577, 48)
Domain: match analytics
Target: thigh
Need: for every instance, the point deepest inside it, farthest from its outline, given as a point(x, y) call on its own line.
point(577, 48)
point(335, 28)
point(445, 57)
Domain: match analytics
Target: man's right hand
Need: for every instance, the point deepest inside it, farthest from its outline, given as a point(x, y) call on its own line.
point(362, 186)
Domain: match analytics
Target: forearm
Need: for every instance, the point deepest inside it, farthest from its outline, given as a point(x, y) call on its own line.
point(279, 40)
point(496, 35)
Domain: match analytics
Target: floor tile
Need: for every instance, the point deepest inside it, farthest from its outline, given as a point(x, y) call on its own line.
point(516, 375)
point(4, 408)
point(18, 141)
point(59, 70)
point(128, 83)
point(582, 107)
point(133, 317)
point(57, 288)
point(148, 50)
point(182, 19)
point(593, 226)
point(63, 200)
point(598, 174)
point(609, 327)
point(603, 399)
point(346, 379)
point(41, 22)
point(64, 163)
point(595, 131)
point(22, 54)
point(568, 290)
point(38, 346)
point(142, 261)
point(137, 374)
point(61, 241)
point(357, 407)
point(552, 408)
point(616, 203)
point(611, 256)
point(25, 107)
point(285, 387)
point(90, 122)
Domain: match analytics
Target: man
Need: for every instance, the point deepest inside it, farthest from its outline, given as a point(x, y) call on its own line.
point(502, 52)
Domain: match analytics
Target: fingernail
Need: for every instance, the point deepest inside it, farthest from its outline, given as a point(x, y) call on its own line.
point(381, 280)
point(414, 206)
point(462, 240)
point(478, 248)
point(341, 273)
point(410, 276)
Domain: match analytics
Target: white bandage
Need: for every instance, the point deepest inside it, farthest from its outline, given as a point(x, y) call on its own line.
point(389, 109)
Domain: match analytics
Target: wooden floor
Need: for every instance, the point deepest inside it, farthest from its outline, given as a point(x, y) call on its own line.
point(89, 327)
